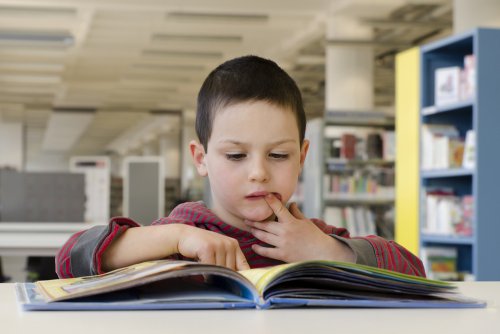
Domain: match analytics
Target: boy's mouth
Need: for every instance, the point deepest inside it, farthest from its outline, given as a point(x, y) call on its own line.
point(261, 194)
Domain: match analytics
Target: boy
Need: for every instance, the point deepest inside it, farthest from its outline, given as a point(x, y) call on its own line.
point(250, 123)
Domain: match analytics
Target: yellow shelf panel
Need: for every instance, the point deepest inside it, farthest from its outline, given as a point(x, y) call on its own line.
point(407, 148)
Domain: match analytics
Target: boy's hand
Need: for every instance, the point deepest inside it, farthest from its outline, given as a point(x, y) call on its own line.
point(296, 238)
point(211, 248)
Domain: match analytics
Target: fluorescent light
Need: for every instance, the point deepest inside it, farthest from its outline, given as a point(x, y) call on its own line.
point(64, 38)
point(37, 11)
point(169, 67)
point(258, 18)
point(192, 54)
point(65, 127)
point(197, 38)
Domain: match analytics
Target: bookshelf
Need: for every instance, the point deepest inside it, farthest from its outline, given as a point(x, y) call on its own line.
point(475, 250)
point(345, 190)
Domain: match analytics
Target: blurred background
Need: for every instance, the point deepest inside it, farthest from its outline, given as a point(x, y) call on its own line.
point(97, 98)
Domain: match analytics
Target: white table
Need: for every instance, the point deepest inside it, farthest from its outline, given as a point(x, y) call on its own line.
point(386, 321)
point(36, 239)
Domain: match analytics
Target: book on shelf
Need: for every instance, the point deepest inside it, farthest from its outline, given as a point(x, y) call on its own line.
point(447, 85)
point(363, 181)
point(464, 225)
point(442, 147)
point(455, 83)
point(469, 159)
point(389, 145)
point(468, 78)
point(448, 214)
point(448, 152)
point(365, 222)
point(168, 284)
point(350, 220)
point(374, 146)
point(362, 145)
point(440, 262)
point(335, 215)
point(359, 220)
point(335, 147)
point(348, 148)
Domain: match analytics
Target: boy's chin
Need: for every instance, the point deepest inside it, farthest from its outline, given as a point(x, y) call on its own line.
point(258, 215)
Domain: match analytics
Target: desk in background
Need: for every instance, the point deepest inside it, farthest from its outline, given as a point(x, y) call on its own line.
point(342, 320)
point(36, 239)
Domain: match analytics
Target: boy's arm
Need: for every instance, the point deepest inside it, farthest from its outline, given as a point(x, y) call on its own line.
point(379, 252)
point(104, 248)
point(81, 255)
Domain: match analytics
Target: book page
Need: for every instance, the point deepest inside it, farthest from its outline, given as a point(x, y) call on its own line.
point(261, 277)
point(73, 287)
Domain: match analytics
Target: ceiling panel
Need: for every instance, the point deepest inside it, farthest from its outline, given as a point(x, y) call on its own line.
point(127, 57)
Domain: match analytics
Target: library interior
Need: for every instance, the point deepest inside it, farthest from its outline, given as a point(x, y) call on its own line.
point(98, 105)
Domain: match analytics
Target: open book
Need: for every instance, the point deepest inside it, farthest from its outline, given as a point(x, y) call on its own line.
point(168, 284)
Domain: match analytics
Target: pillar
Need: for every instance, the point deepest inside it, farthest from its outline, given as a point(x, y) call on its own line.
point(472, 14)
point(349, 68)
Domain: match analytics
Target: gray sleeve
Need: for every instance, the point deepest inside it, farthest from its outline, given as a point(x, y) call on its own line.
point(365, 254)
point(85, 255)
point(82, 254)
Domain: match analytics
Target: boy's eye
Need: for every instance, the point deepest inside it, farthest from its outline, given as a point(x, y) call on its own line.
point(235, 156)
point(278, 156)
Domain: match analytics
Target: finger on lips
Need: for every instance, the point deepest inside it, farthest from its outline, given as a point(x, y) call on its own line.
point(275, 205)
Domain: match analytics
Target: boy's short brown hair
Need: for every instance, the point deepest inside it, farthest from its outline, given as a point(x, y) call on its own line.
point(243, 79)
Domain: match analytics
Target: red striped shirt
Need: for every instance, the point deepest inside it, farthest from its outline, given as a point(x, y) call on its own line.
point(388, 254)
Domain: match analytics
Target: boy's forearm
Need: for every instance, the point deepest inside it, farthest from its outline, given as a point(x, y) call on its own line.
point(342, 252)
point(141, 244)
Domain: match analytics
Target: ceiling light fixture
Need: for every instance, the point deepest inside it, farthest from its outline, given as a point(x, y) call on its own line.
point(257, 18)
point(196, 38)
point(36, 37)
point(192, 54)
point(169, 67)
point(11, 11)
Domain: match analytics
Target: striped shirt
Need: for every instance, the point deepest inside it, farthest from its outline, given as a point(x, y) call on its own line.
point(81, 255)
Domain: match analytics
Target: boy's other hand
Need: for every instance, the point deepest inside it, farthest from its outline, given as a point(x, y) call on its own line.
point(296, 238)
point(211, 248)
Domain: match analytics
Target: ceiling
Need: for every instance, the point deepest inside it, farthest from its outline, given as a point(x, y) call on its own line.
point(112, 62)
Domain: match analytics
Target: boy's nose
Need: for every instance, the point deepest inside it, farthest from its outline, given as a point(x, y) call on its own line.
point(258, 172)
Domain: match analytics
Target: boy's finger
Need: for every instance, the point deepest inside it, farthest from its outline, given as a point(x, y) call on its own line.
point(270, 226)
point(241, 261)
point(268, 238)
point(295, 211)
point(278, 208)
point(207, 258)
point(220, 257)
point(231, 260)
point(269, 252)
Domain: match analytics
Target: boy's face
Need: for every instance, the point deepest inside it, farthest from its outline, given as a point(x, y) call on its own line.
point(253, 150)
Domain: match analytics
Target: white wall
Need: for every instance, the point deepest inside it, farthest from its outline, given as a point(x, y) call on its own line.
point(11, 145)
point(53, 162)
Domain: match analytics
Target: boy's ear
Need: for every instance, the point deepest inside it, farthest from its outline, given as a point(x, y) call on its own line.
point(198, 154)
point(303, 152)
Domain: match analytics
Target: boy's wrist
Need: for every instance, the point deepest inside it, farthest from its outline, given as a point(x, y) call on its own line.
point(341, 251)
point(171, 236)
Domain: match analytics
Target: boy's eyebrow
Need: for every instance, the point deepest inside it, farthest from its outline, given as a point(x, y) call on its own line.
point(237, 142)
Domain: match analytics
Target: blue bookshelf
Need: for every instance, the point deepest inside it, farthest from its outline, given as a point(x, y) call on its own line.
point(478, 253)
